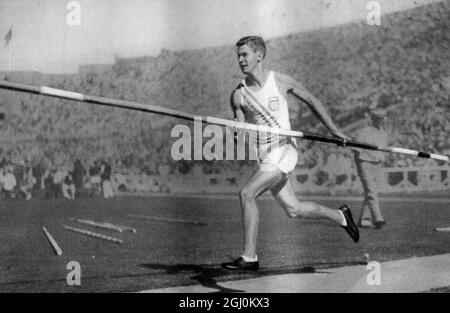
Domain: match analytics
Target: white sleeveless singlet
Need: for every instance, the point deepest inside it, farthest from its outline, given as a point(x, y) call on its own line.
point(269, 107)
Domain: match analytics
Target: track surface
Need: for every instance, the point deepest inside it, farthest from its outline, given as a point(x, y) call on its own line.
point(166, 254)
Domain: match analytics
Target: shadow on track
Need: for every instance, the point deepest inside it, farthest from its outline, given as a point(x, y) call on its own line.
point(204, 274)
point(207, 275)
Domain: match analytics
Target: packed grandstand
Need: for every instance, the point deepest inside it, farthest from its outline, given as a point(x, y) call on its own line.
point(401, 66)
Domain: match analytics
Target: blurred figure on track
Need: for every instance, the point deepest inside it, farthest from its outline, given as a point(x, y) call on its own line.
point(368, 165)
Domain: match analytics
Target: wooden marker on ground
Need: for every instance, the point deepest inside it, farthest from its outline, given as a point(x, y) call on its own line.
point(92, 234)
point(52, 241)
point(105, 225)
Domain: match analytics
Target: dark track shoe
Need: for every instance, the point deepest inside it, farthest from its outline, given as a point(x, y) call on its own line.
point(379, 224)
point(351, 227)
point(241, 265)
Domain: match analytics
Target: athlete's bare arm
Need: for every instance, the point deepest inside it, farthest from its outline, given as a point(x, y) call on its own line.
point(235, 102)
point(238, 114)
point(289, 85)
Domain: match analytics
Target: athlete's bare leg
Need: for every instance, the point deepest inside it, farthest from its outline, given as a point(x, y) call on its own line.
point(285, 195)
point(258, 184)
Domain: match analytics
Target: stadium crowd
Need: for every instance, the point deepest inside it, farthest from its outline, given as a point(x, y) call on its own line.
point(63, 148)
point(37, 177)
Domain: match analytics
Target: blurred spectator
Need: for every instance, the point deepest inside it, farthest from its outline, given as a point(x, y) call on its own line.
point(38, 173)
point(68, 186)
point(58, 179)
point(8, 181)
point(94, 175)
point(51, 188)
point(26, 182)
point(78, 174)
point(120, 180)
point(368, 167)
point(105, 175)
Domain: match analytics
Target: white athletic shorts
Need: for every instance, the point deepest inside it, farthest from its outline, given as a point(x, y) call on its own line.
point(283, 158)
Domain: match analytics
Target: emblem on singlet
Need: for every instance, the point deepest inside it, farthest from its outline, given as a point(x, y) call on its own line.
point(274, 103)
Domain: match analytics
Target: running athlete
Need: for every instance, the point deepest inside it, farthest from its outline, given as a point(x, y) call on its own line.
point(261, 99)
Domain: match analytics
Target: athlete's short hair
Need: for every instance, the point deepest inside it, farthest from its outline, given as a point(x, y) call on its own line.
point(255, 42)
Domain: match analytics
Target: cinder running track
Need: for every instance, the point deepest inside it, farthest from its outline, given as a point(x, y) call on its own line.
point(163, 255)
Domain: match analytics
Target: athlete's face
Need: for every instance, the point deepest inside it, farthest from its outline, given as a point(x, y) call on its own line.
point(248, 58)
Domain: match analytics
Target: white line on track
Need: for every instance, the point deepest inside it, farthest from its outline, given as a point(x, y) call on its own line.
point(268, 197)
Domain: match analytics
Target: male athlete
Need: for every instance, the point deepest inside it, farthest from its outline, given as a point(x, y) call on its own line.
point(261, 99)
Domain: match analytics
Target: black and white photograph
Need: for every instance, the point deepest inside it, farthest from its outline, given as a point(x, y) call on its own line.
point(197, 147)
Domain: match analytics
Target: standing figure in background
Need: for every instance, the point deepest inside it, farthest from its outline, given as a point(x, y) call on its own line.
point(27, 182)
point(51, 190)
point(368, 165)
point(78, 175)
point(58, 180)
point(105, 175)
point(9, 180)
point(38, 171)
point(68, 186)
point(94, 176)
